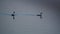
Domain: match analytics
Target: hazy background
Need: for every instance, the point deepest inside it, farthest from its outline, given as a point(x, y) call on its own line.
point(49, 24)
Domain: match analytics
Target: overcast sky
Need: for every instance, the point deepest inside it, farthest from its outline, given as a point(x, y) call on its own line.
point(49, 24)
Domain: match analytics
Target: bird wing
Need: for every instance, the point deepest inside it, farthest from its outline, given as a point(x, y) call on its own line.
point(5, 14)
point(25, 14)
point(8, 14)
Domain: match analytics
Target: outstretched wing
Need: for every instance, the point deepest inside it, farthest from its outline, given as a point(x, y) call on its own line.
point(25, 15)
point(40, 14)
point(8, 14)
point(5, 14)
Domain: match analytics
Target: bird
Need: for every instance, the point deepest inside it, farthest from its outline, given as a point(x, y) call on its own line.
point(14, 14)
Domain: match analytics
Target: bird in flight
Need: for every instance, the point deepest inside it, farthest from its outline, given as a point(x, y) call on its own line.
point(14, 14)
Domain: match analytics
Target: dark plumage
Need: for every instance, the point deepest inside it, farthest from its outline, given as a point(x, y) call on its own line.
point(13, 15)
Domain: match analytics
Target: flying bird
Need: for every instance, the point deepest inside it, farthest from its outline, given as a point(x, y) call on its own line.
point(14, 14)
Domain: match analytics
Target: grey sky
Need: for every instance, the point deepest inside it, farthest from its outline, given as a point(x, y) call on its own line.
point(49, 24)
